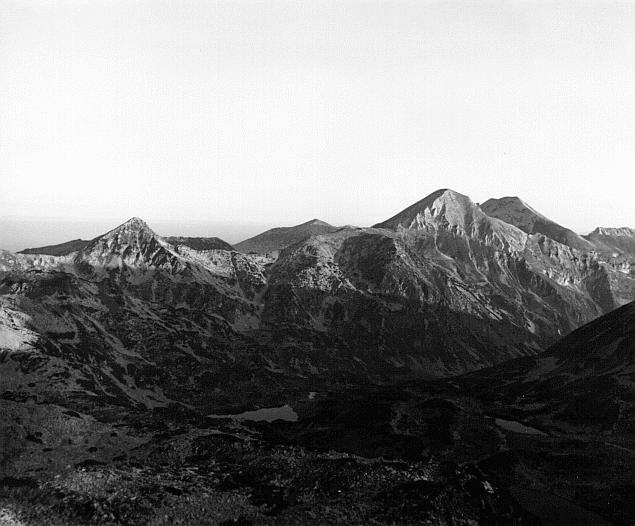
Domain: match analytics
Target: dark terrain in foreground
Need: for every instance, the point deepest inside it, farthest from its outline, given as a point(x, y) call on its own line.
point(508, 445)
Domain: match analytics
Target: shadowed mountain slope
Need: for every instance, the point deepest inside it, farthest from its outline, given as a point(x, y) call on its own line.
point(585, 380)
point(605, 346)
point(567, 418)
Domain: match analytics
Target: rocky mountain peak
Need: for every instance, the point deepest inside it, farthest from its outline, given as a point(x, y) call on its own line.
point(444, 205)
point(614, 241)
point(134, 224)
point(131, 232)
point(131, 244)
point(316, 222)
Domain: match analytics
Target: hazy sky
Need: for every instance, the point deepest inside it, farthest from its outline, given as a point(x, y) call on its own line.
point(225, 118)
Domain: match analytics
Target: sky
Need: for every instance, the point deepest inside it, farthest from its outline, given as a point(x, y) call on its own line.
point(226, 118)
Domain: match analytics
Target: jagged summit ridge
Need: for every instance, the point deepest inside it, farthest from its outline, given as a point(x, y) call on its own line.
point(131, 244)
point(137, 221)
point(134, 234)
point(614, 231)
point(447, 214)
point(446, 204)
point(134, 224)
point(614, 241)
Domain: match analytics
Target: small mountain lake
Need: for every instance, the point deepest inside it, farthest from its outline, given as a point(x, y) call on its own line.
point(517, 427)
point(267, 414)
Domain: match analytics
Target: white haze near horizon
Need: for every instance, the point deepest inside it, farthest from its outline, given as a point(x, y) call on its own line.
point(226, 118)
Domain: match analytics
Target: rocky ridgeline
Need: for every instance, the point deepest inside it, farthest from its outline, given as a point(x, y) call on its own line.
point(439, 288)
point(131, 318)
point(128, 320)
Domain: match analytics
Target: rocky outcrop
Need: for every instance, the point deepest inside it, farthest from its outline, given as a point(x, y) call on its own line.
point(200, 243)
point(614, 241)
point(132, 245)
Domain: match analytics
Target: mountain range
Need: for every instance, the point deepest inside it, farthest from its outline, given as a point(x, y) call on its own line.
point(441, 288)
point(411, 332)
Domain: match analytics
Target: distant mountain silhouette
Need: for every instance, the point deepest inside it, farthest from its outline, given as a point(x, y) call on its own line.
point(279, 238)
point(62, 249)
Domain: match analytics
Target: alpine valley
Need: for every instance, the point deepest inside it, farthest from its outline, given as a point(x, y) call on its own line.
point(454, 364)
